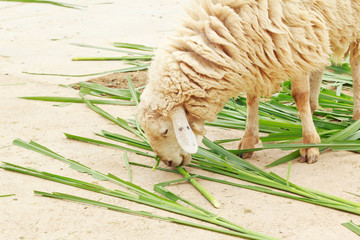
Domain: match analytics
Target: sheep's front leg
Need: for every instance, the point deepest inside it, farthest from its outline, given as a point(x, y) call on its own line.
point(315, 86)
point(251, 136)
point(301, 90)
point(355, 70)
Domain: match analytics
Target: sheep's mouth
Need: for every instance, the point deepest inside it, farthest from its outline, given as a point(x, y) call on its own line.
point(168, 163)
point(185, 159)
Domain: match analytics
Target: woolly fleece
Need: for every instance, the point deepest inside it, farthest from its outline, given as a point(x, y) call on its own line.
point(225, 47)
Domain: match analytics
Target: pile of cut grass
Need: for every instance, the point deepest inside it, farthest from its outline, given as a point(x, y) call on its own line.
point(277, 116)
point(219, 160)
point(139, 195)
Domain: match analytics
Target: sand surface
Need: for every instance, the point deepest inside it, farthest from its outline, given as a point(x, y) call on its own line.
point(37, 38)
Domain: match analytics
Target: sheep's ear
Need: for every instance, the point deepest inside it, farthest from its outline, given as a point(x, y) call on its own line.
point(183, 132)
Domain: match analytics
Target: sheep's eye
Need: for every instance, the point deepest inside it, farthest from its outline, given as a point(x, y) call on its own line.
point(165, 132)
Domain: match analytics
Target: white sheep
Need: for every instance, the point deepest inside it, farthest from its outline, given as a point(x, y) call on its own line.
point(225, 47)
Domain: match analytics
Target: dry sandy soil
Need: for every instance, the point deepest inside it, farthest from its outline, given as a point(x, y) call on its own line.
point(37, 38)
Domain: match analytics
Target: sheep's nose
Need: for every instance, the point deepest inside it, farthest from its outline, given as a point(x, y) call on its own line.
point(182, 160)
point(186, 159)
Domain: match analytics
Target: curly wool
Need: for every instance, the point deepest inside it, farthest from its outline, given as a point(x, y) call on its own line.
point(225, 47)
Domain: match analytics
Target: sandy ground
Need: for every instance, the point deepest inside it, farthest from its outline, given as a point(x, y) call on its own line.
point(36, 38)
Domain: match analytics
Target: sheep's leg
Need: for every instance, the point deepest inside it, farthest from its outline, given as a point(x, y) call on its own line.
point(315, 85)
point(301, 90)
point(251, 135)
point(355, 69)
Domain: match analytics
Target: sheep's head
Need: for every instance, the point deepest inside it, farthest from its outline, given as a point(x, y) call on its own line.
point(173, 137)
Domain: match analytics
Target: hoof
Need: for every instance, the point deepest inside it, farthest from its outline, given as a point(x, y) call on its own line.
point(246, 155)
point(247, 143)
point(309, 155)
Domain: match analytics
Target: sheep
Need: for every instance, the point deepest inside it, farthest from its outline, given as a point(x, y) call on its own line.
point(226, 47)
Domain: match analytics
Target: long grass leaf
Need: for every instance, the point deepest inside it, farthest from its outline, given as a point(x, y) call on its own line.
point(199, 187)
point(132, 90)
point(123, 58)
point(122, 70)
point(352, 227)
point(7, 195)
point(60, 4)
point(93, 141)
point(77, 100)
point(121, 122)
point(109, 49)
point(133, 46)
point(126, 161)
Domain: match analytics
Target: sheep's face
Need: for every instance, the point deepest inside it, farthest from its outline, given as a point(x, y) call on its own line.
point(171, 138)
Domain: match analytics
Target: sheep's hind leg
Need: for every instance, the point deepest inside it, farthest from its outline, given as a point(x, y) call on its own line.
point(251, 135)
point(315, 85)
point(301, 90)
point(355, 70)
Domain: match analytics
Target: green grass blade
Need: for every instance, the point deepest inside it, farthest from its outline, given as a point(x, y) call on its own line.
point(226, 140)
point(120, 93)
point(121, 122)
point(127, 165)
point(343, 68)
point(7, 195)
point(199, 187)
point(123, 58)
point(285, 159)
point(109, 49)
point(60, 4)
point(77, 100)
point(133, 46)
point(288, 174)
point(122, 70)
point(124, 139)
point(344, 134)
point(135, 97)
point(352, 227)
point(157, 163)
point(336, 146)
point(41, 149)
point(93, 141)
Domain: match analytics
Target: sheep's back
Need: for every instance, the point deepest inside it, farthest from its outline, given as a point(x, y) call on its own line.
point(225, 47)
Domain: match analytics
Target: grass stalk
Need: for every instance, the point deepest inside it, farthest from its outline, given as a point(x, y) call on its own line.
point(199, 187)
point(124, 58)
point(127, 165)
point(77, 100)
point(60, 4)
point(133, 46)
point(122, 70)
point(109, 49)
point(352, 227)
point(7, 195)
point(133, 92)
